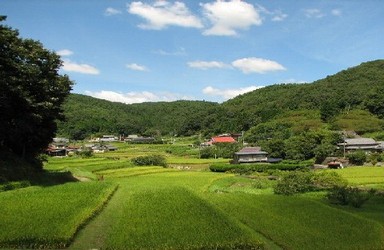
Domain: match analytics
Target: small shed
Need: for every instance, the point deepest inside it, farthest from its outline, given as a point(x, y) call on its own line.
point(250, 155)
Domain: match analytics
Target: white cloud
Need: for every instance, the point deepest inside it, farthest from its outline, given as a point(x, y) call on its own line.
point(162, 14)
point(279, 16)
point(111, 11)
point(79, 68)
point(227, 17)
point(336, 12)
point(64, 52)
point(137, 97)
point(179, 52)
point(256, 65)
point(207, 65)
point(228, 93)
point(313, 13)
point(136, 67)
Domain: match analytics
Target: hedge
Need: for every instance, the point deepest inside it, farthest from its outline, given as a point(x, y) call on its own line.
point(258, 167)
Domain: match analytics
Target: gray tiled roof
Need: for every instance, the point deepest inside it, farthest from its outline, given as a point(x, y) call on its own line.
point(360, 141)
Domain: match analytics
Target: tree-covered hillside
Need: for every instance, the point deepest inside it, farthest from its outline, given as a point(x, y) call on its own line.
point(359, 87)
point(87, 116)
point(356, 92)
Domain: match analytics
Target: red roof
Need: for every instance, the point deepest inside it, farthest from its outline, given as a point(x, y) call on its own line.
point(223, 139)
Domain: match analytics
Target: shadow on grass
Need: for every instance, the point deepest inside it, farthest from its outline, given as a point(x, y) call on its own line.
point(16, 172)
point(51, 178)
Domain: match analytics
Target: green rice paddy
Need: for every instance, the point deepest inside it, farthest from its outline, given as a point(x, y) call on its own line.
point(174, 208)
point(40, 217)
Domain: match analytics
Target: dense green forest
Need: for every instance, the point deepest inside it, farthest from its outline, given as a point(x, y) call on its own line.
point(351, 100)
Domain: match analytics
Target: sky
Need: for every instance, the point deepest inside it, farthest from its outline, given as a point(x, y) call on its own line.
point(150, 51)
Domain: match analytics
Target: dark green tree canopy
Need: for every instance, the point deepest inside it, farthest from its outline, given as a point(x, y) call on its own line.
point(31, 93)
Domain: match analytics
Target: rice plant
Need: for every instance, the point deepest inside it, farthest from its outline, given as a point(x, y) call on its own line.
point(49, 217)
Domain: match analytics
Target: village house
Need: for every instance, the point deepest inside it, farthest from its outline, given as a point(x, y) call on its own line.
point(139, 139)
point(108, 138)
point(365, 144)
point(250, 155)
point(219, 139)
point(99, 148)
point(58, 147)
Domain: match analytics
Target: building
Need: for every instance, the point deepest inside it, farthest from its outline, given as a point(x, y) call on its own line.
point(250, 155)
point(222, 139)
point(219, 139)
point(139, 139)
point(365, 144)
point(108, 138)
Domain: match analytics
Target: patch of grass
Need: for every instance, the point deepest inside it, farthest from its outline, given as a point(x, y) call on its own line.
point(173, 218)
point(163, 208)
point(300, 223)
point(37, 217)
point(236, 184)
point(134, 171)
point(165, 211)
point(363, 175)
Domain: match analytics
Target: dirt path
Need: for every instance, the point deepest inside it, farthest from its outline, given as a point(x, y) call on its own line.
point(94, 234)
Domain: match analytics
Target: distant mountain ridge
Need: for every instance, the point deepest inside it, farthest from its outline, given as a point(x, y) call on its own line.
point(360, 87)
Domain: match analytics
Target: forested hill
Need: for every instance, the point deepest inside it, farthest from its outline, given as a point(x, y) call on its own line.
point(87, 116)
point(360, 87)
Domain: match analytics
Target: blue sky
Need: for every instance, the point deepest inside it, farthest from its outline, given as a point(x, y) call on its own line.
point(138, 51)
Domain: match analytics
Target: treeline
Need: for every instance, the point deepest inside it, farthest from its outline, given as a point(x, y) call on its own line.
point(349, 100)
point(87, 116)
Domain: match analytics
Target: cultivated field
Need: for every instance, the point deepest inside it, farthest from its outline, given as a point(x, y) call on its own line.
point(184, 206)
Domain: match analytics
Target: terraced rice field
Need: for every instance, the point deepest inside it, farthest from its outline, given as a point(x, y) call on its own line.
point(168, 208)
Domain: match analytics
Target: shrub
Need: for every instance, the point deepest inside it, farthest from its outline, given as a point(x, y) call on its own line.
point(328, 180)
point(357, 158)
point(295, 182)
point(338, 195)
point(14, 185)
point(85, 153)
point(323, 151)
point(301, 182)
point(374, 158)
point(207, 152)
point(150, 160)
point(220, 150)
point(258, 167)
point(344, 195)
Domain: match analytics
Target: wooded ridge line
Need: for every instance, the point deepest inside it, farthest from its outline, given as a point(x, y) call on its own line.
point(357, 92)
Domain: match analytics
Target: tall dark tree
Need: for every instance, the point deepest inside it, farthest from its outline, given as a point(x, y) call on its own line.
point(31, 93)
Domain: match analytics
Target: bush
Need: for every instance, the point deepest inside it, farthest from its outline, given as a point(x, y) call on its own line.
point(374, 158)
point(14, 185)
point(150, 160)
point(344, 195)
point(295, 182)
point(85, 153)
point(301, 182)
point(357, 158)
point(258, 167)
point(220, 150)
point(328, 180)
